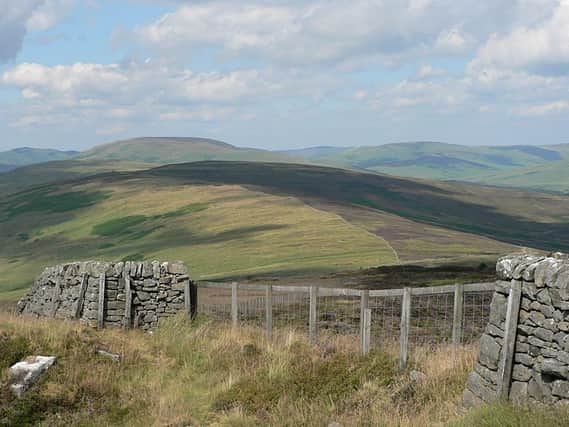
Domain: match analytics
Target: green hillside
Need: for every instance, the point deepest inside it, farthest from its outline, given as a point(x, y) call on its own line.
point(241, 219)
point(128, 155)
point(518, 217)
point(553, 176)
point(517, 165)
point(177, 150)
point(27, 156)
point(44, 173)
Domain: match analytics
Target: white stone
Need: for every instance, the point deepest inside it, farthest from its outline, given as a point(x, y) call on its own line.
point(26, 373)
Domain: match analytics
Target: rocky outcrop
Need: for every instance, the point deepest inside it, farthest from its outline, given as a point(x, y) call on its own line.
point(71, 290)
point(540, 370)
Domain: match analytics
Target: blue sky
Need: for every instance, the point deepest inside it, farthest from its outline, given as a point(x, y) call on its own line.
point(283, 74)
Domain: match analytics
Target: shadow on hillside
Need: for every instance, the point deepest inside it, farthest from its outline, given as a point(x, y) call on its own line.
point(413, 200)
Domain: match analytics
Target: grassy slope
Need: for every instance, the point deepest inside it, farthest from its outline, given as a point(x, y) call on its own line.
point(550, 177)
point(518, 166)
point(177, 150)
point(43, 173)
point(210, 374)
point(518, 217)
point(221, 229)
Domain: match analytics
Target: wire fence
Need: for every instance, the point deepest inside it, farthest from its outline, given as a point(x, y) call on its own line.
point(431, 319)
point(434, 316)
point(291, 309)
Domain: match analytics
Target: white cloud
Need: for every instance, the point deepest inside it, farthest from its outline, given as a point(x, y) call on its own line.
point(86, 82)
point(428, 71)
point(540, 48)
point(554, 107)
point(48, 13)
point(324, 31)
point(202, 114)
point(17, 17)
point(453, 41)
point(80, 93)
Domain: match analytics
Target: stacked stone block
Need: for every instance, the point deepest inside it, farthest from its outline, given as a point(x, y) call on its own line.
point(540, 370)
point(157, 292)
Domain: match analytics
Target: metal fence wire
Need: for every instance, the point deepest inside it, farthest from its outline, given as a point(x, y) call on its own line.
point(291, 309)
point(432, 318)
point(476, 313)
point(252, 307)
point(339, 314)
point(385, 319)
point(215, 302)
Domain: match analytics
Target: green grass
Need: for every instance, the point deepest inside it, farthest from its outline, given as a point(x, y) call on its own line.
point(44, 200)
point(134, 257)
point(307, 379)
point(508, 415)
point(123, 226)
point(12, 350)
point(118, 226)
point(185, 210)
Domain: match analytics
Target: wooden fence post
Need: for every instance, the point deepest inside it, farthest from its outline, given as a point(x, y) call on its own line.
point(510, 332)
point(188, 299)
point(193, 299)
point(405, 325)
point(56, 296)
point(366, 339)
point(364, 304)
point(101, 308)
point(127, 303)
point(269, 311)
point(457, 314)
point(234, 305)
point(313, 314)
point(81, 297)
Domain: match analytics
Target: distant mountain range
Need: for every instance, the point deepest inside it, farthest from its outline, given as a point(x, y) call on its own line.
point(543, 168)
point(537, 167)
point(276, 213)
point(24, 156)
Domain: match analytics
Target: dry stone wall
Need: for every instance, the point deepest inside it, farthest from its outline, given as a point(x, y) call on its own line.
point(134, 294)
point(540, 351)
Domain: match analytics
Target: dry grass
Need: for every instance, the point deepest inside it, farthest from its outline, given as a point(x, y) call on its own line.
point(210, 374)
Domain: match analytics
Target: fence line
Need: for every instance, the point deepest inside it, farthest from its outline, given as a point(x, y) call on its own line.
point(430, 315)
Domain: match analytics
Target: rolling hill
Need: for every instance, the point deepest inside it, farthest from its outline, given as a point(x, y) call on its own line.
point(128, 155)
point(17, 157)
point(245, 219)
point(523, 166)
point(538, 168)
point(177, 150)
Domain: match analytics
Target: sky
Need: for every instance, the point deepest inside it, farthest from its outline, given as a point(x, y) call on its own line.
point(281, 74)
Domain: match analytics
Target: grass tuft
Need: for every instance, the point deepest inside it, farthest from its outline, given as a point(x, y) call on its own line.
point(508, 415)
point(12, 350)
